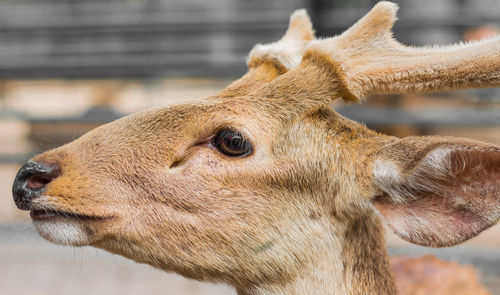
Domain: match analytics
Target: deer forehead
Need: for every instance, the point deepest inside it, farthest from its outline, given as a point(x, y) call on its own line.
point(164, 133)
point(165, 130)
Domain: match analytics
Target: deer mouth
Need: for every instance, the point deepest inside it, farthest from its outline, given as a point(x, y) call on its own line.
point(66, 228)
point(49, 214)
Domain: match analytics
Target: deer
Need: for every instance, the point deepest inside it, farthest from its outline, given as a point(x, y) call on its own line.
point(263, 186)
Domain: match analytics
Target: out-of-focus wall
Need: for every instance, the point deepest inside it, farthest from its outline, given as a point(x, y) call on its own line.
point(135, 38)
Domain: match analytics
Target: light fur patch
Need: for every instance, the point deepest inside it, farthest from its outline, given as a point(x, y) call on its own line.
point(437, 159)
point(62, 232)
point(388, 178)
point(283, 52)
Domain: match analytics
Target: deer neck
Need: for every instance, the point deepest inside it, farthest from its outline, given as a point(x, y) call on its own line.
point(360, 267)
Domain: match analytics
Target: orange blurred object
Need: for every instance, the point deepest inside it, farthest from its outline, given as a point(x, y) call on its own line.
point(482, 32)
point(428, 275)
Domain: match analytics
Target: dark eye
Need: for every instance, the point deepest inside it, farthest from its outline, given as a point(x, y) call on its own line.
point(231, 143)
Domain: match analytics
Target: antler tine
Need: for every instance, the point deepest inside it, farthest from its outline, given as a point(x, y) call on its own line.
point(369, 61)
point(287, 52)
point(268, 61)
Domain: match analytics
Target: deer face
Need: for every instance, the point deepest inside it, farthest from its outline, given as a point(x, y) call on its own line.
point(170, 179)
point(264, 179)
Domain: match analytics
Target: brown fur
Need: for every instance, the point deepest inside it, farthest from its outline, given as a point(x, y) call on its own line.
point(294, 217)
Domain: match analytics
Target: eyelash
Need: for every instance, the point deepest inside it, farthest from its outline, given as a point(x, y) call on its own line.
point(231, 143)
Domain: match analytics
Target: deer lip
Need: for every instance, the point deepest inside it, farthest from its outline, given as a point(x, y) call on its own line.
point(49, 214)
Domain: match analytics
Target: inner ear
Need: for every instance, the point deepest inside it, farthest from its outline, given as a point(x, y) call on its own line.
point(451, 195)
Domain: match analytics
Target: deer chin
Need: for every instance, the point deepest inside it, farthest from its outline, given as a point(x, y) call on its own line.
point(62, 232)
point(63, 227)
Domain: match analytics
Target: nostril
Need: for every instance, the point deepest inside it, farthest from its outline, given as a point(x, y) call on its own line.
point(37, 182)
point(30, 181)
point(32, 178)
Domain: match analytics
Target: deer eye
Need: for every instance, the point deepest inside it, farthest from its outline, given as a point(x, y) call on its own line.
point(231, 143)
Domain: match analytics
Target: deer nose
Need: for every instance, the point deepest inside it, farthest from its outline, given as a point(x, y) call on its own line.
point(30, 182)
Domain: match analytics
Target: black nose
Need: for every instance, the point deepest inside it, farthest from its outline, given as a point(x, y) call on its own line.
point(30, 182)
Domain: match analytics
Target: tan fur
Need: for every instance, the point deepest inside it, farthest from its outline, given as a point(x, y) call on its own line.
point(296, 216)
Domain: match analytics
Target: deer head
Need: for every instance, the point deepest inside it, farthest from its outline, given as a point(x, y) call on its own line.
point(263, 185)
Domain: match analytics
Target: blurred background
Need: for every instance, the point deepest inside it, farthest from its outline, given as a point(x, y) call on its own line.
point(69, 66)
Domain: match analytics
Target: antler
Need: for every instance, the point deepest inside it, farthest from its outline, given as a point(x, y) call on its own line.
point(268, 61)
point(369, 61)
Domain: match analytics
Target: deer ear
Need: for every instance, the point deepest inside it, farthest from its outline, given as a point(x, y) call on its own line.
point(436, 191)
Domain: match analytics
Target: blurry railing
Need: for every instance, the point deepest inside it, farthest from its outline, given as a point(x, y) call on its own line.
point(135, 38)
